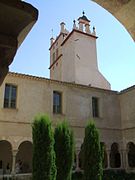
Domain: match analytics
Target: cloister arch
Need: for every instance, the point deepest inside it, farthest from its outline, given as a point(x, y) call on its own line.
point(24, 157)
point(123, 10)
point(5, 157)
point(131, 154)
point(115, 158)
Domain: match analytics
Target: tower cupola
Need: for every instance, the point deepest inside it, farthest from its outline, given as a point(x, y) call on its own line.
point(84, 21)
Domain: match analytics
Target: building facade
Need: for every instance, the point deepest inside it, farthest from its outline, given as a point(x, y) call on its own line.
point(76, 91)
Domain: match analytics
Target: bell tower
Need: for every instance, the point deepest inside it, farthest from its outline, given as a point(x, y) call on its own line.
point(73, 55)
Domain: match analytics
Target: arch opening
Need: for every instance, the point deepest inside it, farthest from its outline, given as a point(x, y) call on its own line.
point(24, 158)
point(5, 157)
point(115, 160)
point(131, 155)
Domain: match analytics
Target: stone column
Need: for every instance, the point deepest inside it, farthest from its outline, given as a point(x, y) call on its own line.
point(77, 160)
point(121, 159)
point(81, 26)
point(108, 159)
point(14, 153)
point(87, 28)
point(124, 158)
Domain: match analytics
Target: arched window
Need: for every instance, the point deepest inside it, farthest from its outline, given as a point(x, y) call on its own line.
point(131, 155)
point(5, 157)
point(24, 158)
point(115, 160)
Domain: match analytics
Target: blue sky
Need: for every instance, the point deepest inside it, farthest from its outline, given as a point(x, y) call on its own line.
point(115, 47)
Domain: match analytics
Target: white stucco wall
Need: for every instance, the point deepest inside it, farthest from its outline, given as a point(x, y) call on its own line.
point(80, 61)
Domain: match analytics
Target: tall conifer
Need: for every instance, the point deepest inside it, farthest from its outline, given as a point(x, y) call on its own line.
point(92, 154)
point(43, 149)
point(64, 148)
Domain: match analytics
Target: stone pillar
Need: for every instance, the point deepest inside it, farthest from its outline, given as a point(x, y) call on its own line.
point(108, 159)
point(124, 158)
point(121, 159)
point(80, 26)
point(62, 24)
point(87, 28)
point(14, 153)
point(77, 160)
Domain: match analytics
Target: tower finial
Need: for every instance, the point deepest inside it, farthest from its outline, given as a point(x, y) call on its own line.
point(74, 24)
point(83, 13)
point(62, 24)
point(94, 30)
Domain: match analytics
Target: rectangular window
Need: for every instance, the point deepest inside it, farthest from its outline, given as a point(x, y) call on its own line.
point(56, 53)
point(57, 99)
point(95, 106)
point(53, 56)
point(10, 96)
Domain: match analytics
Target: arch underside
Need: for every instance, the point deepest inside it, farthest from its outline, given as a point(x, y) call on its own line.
point(123, 10)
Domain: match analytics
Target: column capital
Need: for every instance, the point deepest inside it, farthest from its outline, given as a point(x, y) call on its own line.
point(108, 150)
point(78, 151)
point(14, 152)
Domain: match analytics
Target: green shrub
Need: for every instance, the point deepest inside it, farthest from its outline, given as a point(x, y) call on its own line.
point(92, 154)
point(118, 175)
point(77, 176)
point(108, 175)
point(43, 149)
point(64, 148)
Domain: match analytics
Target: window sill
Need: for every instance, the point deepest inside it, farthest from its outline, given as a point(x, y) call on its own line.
point(9, 109)
point(58, 114)
point(97, 118)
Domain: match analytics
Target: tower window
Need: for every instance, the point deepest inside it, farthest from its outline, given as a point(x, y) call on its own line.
point(53, 56)
point(10, 96)
point(95, 107)
point(57, 102)
point(56, 53)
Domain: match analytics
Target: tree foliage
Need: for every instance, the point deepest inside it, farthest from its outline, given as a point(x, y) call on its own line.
point(43, 149)
point(64, 148)
point(92, 154)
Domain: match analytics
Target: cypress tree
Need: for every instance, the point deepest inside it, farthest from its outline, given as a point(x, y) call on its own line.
point(64, 148)
point(92, 154)
point(43, 149)
point(102, 146)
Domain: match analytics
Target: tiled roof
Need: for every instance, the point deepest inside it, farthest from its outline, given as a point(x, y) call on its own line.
point(70, 84)
point(127, 89)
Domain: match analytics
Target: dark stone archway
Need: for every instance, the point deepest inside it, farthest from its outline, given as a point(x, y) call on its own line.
point(123, 10)
point(131, 154)
point(5, 157)
point(24, 158)
point(115, 160)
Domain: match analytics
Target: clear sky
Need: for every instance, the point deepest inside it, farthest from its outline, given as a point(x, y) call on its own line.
point(115, 47)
